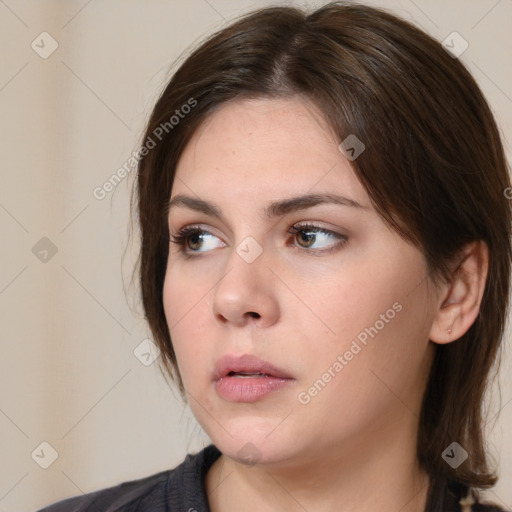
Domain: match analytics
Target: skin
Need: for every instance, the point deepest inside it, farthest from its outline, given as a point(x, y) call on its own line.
point(353, 445)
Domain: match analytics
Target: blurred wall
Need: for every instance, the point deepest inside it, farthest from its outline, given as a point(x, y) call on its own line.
point(78, 78)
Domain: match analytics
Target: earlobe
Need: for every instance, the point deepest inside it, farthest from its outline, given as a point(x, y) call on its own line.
point(460, 299)
point(446, 327)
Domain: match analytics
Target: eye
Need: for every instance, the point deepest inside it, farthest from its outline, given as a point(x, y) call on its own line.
point(193, 239)
point(196, 240)
point(316, 237)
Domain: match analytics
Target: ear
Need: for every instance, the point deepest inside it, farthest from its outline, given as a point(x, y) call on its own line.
point(460, 298)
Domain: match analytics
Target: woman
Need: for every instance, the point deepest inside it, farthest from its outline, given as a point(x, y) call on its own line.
point(325, 266)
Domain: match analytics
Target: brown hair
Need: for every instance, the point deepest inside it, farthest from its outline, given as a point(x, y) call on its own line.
point(434, 169)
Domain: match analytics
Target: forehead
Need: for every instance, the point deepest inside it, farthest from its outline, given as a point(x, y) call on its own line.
point(276, 146)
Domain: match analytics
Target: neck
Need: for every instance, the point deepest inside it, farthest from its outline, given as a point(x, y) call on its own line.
point(349, 479)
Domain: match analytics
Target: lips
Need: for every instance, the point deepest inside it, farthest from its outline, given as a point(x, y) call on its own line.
point(248, 379)
point(247, 366)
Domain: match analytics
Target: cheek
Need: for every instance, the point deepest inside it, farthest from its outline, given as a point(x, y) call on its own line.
point(185, 289)
point(352, 301)
point(370, 369)
point(379, 310)
point(395, 353)
point(187, 311)
point(349, 293)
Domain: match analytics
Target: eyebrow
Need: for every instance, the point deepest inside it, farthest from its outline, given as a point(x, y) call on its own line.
point(274, 209)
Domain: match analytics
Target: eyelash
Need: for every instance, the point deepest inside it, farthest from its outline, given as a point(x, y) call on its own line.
point(182, 236)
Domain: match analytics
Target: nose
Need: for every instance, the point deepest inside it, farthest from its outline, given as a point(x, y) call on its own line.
point(246, 294)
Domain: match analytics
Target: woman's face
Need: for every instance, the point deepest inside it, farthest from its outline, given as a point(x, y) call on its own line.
point(289, 263)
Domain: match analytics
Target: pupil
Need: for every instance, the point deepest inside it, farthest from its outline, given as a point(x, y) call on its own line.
point(194, 240)
point(308, 237)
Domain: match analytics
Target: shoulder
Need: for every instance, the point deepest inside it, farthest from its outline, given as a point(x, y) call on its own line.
point(174, 490)
point(453, 496)
point(486, 507)
point(476, 504)
point(143, 494)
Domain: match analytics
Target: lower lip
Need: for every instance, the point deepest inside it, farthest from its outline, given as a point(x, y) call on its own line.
point(249, 389)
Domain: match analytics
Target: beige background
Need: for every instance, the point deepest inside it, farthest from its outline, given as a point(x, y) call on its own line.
point(69, 376)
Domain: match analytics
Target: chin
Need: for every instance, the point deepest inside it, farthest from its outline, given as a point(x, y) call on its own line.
point(252, 440)
point(250, 452)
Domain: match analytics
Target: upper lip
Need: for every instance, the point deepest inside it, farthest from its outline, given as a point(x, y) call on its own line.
point(246, 363)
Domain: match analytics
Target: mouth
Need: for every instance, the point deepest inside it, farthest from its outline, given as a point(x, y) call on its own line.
point(248, 374)
point(247, 378)
point(247, 366)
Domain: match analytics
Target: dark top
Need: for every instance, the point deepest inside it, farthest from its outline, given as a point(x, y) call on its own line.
point(182, 490)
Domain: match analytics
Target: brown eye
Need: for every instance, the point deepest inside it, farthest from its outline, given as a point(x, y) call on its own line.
point(193, 239)
point(316, 238)
point(306, 238)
